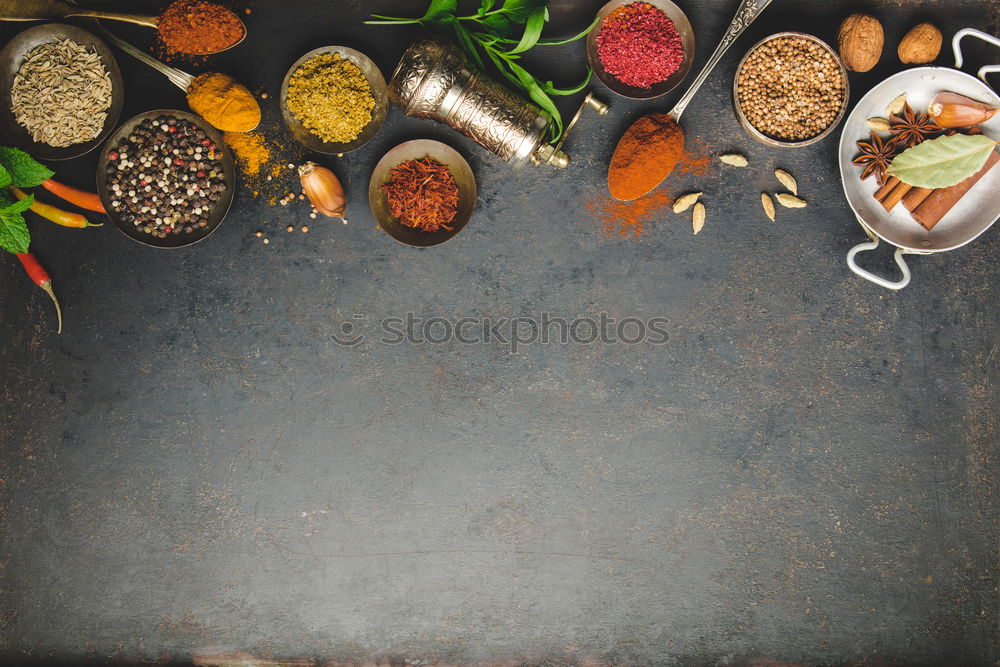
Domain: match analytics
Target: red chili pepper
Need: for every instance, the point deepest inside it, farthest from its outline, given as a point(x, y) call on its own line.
point(40, 277)
point(87, 200)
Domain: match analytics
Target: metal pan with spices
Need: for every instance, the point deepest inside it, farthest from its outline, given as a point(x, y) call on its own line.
point(969, 218)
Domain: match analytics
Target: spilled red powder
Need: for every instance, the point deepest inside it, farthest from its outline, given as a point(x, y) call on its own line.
point(628, 219)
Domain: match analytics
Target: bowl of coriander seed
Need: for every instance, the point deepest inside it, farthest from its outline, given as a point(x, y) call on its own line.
point(790, 90)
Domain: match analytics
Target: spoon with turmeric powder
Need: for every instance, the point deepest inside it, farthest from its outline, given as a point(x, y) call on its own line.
point(218, 98)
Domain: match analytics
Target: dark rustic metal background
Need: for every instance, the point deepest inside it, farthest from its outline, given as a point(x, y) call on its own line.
point(806, 472)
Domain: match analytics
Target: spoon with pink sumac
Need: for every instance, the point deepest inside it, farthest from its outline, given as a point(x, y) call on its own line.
point(651, 148)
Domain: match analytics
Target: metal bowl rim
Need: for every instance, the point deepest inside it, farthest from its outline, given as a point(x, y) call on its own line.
point(777, 143)
point(228, 166)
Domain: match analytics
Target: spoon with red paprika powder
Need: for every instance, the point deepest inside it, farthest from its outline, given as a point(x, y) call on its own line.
point(194, 27)
point(651, 148)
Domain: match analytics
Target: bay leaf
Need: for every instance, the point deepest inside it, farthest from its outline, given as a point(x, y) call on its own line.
point(942, 162)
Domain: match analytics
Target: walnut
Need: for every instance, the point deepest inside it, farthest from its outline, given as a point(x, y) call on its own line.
point(921, 45)
point(860, 42)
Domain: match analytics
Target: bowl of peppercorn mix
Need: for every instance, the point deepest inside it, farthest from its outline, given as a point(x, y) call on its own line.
point(641, 50)
point(790, 90)
point(166, 178)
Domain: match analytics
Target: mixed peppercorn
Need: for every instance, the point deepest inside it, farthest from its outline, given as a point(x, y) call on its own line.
point(166, 177)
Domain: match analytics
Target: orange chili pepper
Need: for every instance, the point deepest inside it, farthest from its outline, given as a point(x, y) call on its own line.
point(56, 215)
point(86, 200)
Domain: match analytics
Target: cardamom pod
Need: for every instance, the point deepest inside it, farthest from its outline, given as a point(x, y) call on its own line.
point(686, 202)
point(879, 124)
point(790, 201)
point(896, 105)
point(768, 205)
point(734, 159)
point(698, 217)
point(787, 180)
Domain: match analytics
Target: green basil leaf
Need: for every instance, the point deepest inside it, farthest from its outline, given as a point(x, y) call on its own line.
point(552, 90)
point(519, 11)
point(581, 35)
point(18, 207)
point(942, 162)
point(465, 39)
point(14, 236)
point(5, 178)
point(498, 24)
point(532, 31)
point(439, 9)
point(501, 66)
point(25, 171)
point(538, 96)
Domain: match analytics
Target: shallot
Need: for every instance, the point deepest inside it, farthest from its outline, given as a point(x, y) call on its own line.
point(324, 191)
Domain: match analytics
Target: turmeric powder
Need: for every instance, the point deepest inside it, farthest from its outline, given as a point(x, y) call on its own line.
point(224, 102)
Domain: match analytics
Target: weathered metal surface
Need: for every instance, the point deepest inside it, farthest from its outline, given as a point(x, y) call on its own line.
point(805, 472)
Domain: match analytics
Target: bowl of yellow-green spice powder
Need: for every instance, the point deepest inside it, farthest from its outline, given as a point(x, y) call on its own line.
point(334, 99)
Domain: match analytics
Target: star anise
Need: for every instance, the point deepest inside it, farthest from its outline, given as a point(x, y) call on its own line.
point(911, 128)
point(876, 156)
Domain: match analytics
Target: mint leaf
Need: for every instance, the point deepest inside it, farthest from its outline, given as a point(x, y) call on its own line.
point(5, 179)
point(18, 207)
point(25, 171)
point(14, 236)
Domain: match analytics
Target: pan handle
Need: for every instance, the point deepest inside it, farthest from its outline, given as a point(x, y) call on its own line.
point(878, 280)
point(956, 46)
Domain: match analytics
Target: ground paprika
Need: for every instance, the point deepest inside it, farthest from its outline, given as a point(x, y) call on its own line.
point(646, 155)
point(198, 27)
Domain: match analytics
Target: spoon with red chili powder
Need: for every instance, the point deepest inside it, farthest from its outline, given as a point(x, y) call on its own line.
point(194, 27)
point(651, 148)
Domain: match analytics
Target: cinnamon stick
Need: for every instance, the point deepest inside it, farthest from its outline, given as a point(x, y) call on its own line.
point(883, 191)
point(896, 196)
point(937, 205)
point(916, 197)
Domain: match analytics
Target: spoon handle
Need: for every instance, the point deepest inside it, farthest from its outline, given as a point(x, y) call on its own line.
point(745, 15)
point(138, 19)
point(180, 79)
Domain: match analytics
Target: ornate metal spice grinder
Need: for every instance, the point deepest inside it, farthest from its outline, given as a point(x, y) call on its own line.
point(434, 80)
